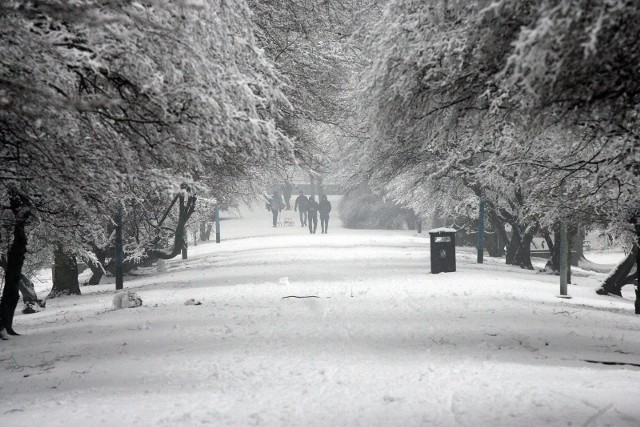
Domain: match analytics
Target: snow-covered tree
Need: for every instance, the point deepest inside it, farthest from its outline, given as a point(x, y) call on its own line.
point(574, 72)
point(97, 96)
point(309, 43)
point(510, 99)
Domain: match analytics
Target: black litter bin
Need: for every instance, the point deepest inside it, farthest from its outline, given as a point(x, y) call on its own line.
point(443, 250)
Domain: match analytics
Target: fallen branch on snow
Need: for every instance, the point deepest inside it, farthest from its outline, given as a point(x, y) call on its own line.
point(301, 296)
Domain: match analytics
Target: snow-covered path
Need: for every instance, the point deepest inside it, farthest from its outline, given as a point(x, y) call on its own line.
point(377, 341)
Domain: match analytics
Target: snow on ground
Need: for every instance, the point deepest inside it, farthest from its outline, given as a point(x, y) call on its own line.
point(373, 339)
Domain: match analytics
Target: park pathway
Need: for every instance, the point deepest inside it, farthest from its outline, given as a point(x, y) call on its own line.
point(343, 329)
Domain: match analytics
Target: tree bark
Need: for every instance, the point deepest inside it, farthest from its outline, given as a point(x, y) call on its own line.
point(519, 249)
point(437, 220)
point(186, 208)
point(65, 274)
point(15, 260)
point(523, 255)
point(569, 258)
point(205, 231)
point(513, 245)
point(495, 241)
point(576, 252)
point(312, 183)
point(96, 269)
point(636, 224)
point(185, 245)
point(28, 291)
point(620, 275)
point(577, 245)
point(549, 241)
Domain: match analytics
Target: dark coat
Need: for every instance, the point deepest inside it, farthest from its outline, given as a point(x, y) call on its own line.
point(276, 202)
point(312, 207)
point(301, 202)
point(324, 208)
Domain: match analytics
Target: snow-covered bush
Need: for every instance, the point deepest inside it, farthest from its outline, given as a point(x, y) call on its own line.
point(361, 208)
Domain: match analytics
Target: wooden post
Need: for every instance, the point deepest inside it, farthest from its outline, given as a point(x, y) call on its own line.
point(119, 251)
point(637, 227)
point(480, 239)
point(217, 224)
point(563, 257)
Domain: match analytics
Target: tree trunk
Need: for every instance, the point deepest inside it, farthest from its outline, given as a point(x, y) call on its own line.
point(523, 255)
point(185, 244)
point(497, 239)
point(205, 231)
point(513, 245)
point(569, 259)
point(97, 269)
point(555, 255)
point(576, 242)
point(28, 291)
point(186, 209)
point(437, 221)
point(320, 185)
point(577, 245)
point(65, 274)
point(636, 223)
point(519, 249)
point(576, 252)
point(620, 275)
point(549, 240)
point(312, 182)
point(15, 260)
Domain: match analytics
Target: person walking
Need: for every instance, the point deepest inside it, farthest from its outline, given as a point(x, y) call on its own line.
point(276, 206)
point(312, 215)
point(324, 207)
point(301, 203)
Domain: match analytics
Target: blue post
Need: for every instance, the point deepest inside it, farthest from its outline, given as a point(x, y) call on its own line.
point(480, 244)
point(217, 224)
point(119, 250)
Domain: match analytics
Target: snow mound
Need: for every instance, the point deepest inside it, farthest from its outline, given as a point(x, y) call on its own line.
point(126, 299)
point(283, 281)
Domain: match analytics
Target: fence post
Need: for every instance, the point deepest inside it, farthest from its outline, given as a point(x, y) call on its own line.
point(564, 259)
point(119, 251)
point(480, 240)
point(217, 224)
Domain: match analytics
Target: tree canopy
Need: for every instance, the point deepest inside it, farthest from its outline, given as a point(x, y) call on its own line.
point(532, 104)
point(100, 97)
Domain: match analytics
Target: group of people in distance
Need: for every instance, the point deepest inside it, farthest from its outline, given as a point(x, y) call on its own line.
point(308, 209)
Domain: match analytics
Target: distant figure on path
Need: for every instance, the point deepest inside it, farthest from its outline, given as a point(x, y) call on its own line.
point(324, 208)
point(276, 206)
point(301, 203)
point(312, 212)
point(287, 188)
